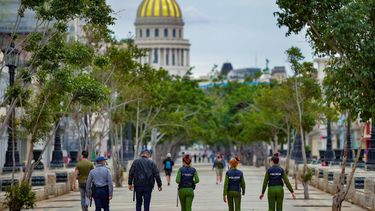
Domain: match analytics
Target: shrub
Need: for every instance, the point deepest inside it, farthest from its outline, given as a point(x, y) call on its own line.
point(20, 197)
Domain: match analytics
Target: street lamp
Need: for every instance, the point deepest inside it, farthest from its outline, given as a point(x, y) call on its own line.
point(11, 59)
point(329, 154)
point(57, 153)
point(371, 150)
point(350, 158)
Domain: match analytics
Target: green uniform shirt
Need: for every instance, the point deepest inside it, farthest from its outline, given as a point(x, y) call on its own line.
point(285, 179)
point(226, 184)
point(178, 177)
point(84, 167)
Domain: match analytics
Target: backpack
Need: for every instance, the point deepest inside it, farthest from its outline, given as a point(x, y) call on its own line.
point(168, 165)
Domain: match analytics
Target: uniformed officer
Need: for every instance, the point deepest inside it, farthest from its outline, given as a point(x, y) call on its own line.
point(234, 184)
point(275, 178)
point(99, 185)
point(187, 178)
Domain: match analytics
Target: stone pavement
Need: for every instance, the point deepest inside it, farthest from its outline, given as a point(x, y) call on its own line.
point(208, 196)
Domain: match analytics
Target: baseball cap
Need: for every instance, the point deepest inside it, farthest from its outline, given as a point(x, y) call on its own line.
point(101, 158)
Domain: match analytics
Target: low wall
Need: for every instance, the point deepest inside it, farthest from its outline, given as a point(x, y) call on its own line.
point(53, 186)
point(362, 189)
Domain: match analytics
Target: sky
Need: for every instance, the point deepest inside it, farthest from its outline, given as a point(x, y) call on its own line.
point(243, 32)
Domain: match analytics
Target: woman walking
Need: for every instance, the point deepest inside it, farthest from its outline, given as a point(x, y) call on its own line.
point(234, 185)
point(275, 178)
point(187, 178)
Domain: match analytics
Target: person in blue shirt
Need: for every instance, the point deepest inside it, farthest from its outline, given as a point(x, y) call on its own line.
point(168, 167)
point(275, 178)
point(234, 186)
point(187, 177)
point(99, 185)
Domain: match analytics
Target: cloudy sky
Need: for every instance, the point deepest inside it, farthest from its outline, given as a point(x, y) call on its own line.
point(243, 32)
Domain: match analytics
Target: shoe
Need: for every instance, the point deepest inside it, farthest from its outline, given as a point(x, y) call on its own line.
point(169, 184)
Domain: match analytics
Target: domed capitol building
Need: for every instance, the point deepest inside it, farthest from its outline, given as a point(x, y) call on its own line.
point(160, 29)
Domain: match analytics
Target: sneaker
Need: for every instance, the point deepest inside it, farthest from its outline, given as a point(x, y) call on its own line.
point(169, 184)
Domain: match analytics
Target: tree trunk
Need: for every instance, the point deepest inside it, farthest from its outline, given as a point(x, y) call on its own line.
point(295, 175)
point(136, 151)
point(276, 144)
point(306, 189)
point(28, 167)
point(300, 114)
point(117, 167)
point(246, 154)
point(289, 150)
point(341, 193)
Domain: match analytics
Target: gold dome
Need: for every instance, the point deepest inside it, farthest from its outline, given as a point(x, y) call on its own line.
point(159, 8)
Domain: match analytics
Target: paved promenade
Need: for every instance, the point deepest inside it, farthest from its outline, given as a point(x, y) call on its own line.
point(208, 196)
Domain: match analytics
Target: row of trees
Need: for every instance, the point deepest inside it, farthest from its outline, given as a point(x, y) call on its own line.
point(96, 81)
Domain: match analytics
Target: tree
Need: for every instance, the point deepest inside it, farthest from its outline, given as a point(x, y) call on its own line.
point(344, 31)
point(307, 96)
point(56, 76)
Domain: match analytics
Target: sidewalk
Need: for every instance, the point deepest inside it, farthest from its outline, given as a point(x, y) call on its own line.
point(208, 196)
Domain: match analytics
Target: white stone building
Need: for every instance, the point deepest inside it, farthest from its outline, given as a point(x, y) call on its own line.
point(160, 29)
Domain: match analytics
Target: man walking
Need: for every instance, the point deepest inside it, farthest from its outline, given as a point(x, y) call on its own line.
point(168, 166)
point(99, 185)
point(142, 176)
point(81, 172)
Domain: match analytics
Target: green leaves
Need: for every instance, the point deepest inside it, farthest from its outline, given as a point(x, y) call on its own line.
point(344, 31)
point(87, 91)
point(20, 196)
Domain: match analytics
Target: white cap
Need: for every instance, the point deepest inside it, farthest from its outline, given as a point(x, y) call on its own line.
point(169, 155)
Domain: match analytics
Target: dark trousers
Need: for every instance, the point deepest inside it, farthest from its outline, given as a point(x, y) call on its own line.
point(101, 198)
point(143, 195)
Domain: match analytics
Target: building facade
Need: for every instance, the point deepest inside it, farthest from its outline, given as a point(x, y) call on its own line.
point(278, 73)
point(160, 29)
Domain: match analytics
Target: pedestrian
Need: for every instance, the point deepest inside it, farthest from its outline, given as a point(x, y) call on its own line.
point(219, 165)
point(99, 185)
point(212, 157)
point(275, 179)
point(83, 168)
point(142, 176)
point(204, 156)
point(234, 185)
point(168, 167)
point(187, 178)
point(195, 158)
point(200, 158)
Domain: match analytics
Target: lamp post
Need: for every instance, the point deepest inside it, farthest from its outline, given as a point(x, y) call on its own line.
point(12, 157)
point(350, 158)
point(329, 154)
point(297, 150)
point(370, 164)
point(57, 154)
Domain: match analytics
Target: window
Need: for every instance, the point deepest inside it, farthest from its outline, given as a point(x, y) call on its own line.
point(182, 57)
point(173, 58)
point(156, 56)
point(140, 33)
point(147, 32)
point(174, 33)
point(165, 32)
point(156, 32)
point(167, 56)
